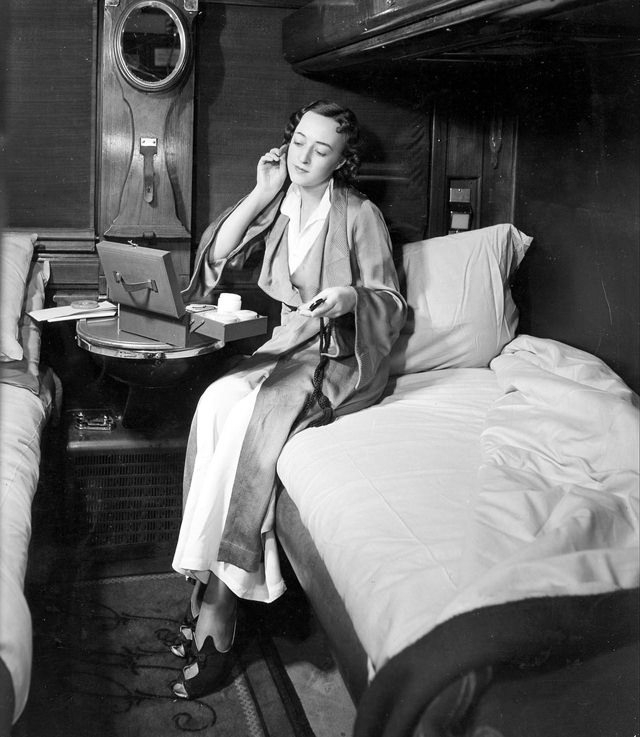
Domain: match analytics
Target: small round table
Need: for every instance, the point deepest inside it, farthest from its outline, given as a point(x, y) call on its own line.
point(147, 366)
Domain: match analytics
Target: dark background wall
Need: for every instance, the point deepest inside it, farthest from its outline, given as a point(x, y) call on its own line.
point(578, 194)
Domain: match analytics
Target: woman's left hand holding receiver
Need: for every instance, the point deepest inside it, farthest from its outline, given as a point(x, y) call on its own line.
point(330, 302)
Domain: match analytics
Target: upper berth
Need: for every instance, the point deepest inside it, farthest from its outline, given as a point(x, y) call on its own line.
point(326, 34)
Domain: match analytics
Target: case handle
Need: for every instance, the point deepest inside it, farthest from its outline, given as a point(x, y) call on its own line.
point(135, 286)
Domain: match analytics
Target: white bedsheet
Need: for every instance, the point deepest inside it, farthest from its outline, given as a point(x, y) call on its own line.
point(385, 494)
point(557, 511)
point(470, 487)
point(22, 418)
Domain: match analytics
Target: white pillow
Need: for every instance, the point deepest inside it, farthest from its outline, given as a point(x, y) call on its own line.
point(26, 373)
point(461, 312)
point(16, 250)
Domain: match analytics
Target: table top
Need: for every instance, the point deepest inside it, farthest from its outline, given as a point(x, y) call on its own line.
point(103, 336)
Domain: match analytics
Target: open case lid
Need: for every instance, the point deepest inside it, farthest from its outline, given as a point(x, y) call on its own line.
point(143, 278)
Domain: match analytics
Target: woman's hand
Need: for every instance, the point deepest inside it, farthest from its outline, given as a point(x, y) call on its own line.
point(271, 175)
point(330, 302)
point(272, 171)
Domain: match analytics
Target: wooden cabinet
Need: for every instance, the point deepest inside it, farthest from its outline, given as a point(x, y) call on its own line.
point(146, 91)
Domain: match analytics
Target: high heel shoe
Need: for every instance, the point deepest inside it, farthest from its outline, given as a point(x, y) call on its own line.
point(211, 669)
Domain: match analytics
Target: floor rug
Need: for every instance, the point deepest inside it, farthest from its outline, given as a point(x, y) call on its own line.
point(102, 667)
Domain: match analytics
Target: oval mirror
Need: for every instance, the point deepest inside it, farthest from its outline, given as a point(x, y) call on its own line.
point(151, 45)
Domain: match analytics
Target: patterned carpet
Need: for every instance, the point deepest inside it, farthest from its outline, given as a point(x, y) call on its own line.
point(102, 667)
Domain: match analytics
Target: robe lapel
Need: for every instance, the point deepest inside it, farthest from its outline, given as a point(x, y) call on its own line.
point(274, 276)
point(336, 264)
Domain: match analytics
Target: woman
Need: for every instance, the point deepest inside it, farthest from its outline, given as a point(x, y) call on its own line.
point(327, 259)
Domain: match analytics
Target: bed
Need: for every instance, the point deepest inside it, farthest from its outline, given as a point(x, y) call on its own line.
point(470, 543)
point(28, 397)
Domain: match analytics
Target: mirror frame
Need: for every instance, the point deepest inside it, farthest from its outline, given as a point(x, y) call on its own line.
point(184, 58)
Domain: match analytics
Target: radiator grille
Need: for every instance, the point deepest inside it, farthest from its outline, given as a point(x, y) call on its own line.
point(127, 489)
point(131, 498)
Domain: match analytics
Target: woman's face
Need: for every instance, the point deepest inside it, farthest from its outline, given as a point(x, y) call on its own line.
point(315, 150)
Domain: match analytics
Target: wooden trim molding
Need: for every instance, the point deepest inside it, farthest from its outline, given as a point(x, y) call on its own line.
point(72, 255)
point(61, 240)
point(293, 4)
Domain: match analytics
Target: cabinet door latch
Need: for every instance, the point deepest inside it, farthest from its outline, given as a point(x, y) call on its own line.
point(148, 148)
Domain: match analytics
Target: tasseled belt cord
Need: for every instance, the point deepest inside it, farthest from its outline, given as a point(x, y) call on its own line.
point(317, 395)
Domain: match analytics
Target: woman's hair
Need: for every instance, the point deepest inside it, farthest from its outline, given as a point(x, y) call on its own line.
point(347, 124)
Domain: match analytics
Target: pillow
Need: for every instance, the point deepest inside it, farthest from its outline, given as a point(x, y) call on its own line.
point(16, 250)
point(461, 312)
point(26, 372)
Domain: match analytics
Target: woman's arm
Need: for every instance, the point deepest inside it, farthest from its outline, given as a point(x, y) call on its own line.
point(270, 176)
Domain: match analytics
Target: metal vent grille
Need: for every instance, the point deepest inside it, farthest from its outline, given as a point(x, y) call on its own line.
point(125, 485)
point(131, 497)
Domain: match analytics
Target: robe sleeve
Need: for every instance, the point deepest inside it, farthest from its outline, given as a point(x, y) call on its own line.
point(207, 270)
point(380, 311)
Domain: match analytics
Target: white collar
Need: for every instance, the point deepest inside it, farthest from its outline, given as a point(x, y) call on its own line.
point(291, 205)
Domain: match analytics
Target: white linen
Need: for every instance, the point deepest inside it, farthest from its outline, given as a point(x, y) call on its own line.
point(385, 493)
point(557, 511)
point(22, 418)
point(469, 487)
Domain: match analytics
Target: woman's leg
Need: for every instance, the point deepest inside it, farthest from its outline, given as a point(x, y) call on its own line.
point(217, 615)
point(213, 638)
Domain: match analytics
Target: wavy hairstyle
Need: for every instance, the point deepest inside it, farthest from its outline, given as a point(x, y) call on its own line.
point(347, 124)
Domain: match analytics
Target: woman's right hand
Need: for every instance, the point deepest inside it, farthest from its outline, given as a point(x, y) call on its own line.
point(271, 175)
point(272, 171)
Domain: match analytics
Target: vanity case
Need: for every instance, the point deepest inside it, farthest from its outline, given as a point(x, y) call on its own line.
point(143, 282)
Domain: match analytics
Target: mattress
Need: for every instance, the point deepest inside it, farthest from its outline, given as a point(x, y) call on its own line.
point(408, 468)
point(23, 416)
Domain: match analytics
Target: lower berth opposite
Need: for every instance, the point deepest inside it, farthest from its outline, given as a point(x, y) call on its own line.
point(22, 419)
point(28, 395)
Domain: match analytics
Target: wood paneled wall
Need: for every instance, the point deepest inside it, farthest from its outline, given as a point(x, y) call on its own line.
point(474, 147)
point(49, 109)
